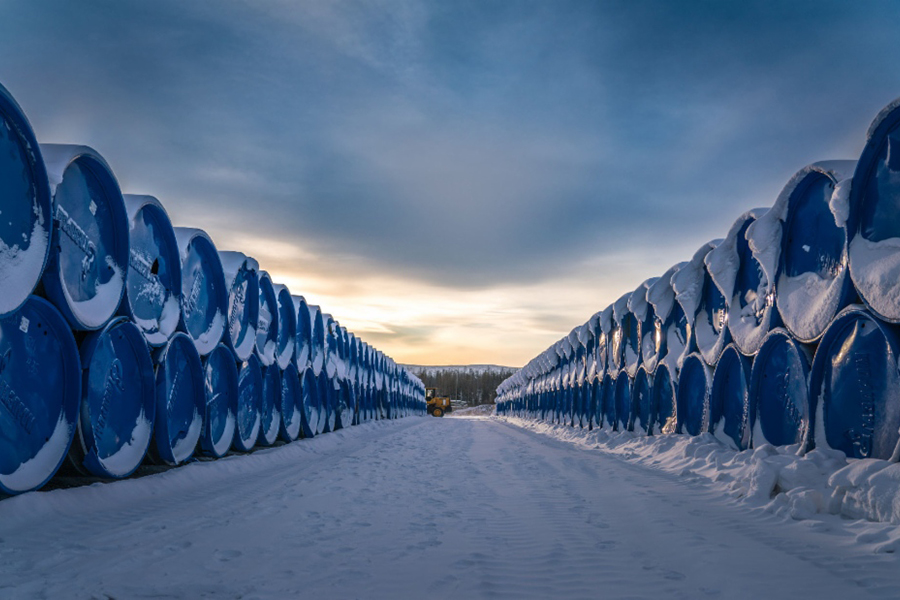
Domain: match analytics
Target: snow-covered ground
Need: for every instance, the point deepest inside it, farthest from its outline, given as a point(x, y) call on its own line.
point(432, 508)
point(482, 410)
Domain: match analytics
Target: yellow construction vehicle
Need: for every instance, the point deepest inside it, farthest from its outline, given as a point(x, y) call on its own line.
point(437, 405)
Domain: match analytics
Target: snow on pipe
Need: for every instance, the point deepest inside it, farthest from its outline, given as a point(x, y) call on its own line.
point(310, 405)
point(703, 305)
point(118, 402)
point(671, 323)
point(204, 295)
point(249, 404)
point(326, 400)
point(287, 327)
point(665, 398)
point(180, 401)
point(871, 212)
point(626, 343)
point(242, 281)
point(153, 280)
point(303, 339)
point(220, 378)
point(85, 273)
point(270, 406)
point(40, 387)
point(345, 413)
point(291, 423)
point(623, 402)
point(730, 411)
point(854, 387)
point(648, 326)
point(812, 281)
point(267, 325)
point(779, 390)
point(690, 283)
point(317, 348)
point(644, 417)
point(27, 224)
point(738, 272)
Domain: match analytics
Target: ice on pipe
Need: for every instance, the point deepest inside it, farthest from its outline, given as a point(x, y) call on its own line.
point(25, 217)
point(661, 294)
point(688, 281)
point(85, 275)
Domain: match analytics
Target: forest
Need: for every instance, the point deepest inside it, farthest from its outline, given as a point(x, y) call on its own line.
point(474, 387)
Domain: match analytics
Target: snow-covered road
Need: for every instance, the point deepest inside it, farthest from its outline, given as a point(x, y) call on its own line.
point(423, 508)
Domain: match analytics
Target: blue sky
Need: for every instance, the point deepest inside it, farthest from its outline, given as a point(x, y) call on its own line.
point(455, 181)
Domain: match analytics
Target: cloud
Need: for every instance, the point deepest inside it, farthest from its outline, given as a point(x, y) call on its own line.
point(419, 165)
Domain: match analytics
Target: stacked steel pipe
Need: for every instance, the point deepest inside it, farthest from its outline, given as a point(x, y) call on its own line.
point(124, 340)
point(785, 332)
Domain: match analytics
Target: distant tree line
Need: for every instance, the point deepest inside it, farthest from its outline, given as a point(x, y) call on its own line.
point(471, 387)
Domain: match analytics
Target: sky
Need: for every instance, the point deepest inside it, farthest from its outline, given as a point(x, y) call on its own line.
point(456, 182)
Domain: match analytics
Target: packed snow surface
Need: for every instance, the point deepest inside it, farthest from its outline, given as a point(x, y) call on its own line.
point(462, 508)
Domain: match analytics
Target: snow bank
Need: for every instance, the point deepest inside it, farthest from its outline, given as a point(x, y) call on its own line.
point(775, 479)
